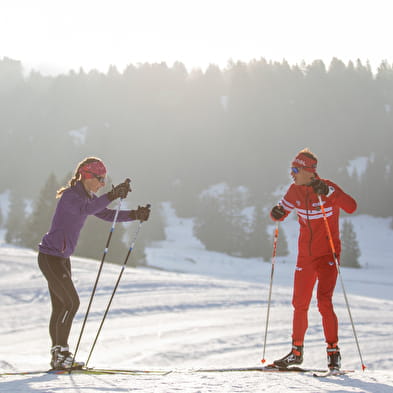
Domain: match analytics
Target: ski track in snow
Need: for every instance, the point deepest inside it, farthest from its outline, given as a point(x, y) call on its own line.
point(189, 382)
point(181, 322)
point(208, 312)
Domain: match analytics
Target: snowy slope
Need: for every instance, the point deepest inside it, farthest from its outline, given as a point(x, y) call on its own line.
point(183, 252)
point(181, 321)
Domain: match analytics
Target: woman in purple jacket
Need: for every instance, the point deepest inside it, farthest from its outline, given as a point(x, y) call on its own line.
point(77, 201)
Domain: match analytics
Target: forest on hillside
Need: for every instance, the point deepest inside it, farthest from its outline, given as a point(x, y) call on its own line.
point(178, 134)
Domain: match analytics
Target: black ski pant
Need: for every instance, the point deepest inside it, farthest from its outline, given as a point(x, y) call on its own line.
point(64, 297)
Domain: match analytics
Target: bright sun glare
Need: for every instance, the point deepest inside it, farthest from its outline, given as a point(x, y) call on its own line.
point(55, 36)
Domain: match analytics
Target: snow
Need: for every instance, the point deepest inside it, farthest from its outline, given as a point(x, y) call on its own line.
point(205, 310)
point(359, 165)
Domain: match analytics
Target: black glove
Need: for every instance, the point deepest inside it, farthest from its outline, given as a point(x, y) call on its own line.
point(277, 212)
point(319, 187)
point(141, 214)
point(120, 191)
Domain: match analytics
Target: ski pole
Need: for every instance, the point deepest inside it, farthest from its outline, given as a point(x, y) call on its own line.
point(115, 288)
point(97, 278)
point(341, 279)
point(270, 288)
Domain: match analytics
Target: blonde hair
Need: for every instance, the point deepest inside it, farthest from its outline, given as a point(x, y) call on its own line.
point(77, 175)
point(308, 153)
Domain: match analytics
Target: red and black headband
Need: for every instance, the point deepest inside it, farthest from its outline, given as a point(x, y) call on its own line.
point(303, 161)
point(92, 168)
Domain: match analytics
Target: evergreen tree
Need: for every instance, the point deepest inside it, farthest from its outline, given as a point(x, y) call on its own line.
point(212, 226)
point(282, 244)
point(197, 140)
point(39, 221)
point(258, 243)
point(350, 251)
point(376, 185)
point(213, 216)
point(16, 219)
point(227, 222)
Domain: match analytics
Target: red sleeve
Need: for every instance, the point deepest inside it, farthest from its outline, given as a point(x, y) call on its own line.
point(340, 198)
point(286, 204)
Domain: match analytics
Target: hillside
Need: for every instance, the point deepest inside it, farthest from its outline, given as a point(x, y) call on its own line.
point(182, 322)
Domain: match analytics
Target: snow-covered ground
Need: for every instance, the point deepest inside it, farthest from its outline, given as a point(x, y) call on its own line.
point(206, 310)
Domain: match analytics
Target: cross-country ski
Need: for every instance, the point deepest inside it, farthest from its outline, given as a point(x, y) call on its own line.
point(331, 373)
point(88, 371)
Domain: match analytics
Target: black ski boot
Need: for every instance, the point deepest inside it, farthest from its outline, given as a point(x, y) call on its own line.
point(54, 363)
point(333, 357)
point(294, 357)
point(62, 359)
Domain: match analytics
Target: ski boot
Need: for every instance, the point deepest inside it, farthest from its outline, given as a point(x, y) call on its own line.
point(62, 359)
point(294, 357)
point(333, 357)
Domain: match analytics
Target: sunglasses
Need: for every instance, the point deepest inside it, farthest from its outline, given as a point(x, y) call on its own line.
point(101, 179)
point(295, 169)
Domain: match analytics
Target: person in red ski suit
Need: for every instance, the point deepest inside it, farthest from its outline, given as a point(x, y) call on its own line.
point(315, 260)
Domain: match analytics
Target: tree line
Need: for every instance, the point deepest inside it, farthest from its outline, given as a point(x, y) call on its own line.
point(27, 229)
point(225, 223)
point(178, 133)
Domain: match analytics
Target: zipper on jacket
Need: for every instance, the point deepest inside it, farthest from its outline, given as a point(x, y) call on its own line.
point(308, 223)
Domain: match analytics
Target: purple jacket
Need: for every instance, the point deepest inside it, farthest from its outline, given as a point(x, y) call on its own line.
point(71, 212)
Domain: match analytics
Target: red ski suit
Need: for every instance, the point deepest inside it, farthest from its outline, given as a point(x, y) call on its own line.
point(315, 259)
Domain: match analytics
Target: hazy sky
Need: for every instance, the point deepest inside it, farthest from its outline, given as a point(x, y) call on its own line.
point(56, 35)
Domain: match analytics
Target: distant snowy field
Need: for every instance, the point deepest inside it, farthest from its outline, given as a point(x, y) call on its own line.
point(205, 310)
point(182, 252)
